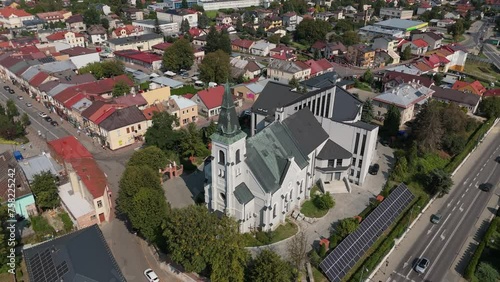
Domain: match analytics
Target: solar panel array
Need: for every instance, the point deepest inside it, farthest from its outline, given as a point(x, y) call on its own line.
point(44, 270)
point(354, 246)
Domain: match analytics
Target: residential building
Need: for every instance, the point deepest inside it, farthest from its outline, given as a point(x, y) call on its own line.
point(54, 17)
point(85, 176)
point(123, 127)
point(328, 49)
point(319, 67)
point(178, 16)
point(14, 18)
point(75, 23)
point(127, 31)
point(385, 43)
point(185, 110)
point(407, 97)
point(454, 53)
point(443, 23)
point(143, 59)
point(149, 26)
point(209, 101)
point(338, 15)
point(395, 13)
point(133, 14)
point(22, 197)
point(163, 81)
point(81, 57)
point(291, 20)
point(369, 32)
point(83, 254)
point(245, 68)
point(242, 45)
point(283, 52)
point(213, 5)
point(142, 42)
point(262, 48)
point(249, 92)
point(466, 100)
point(474, 87)
point(392, 79)
point(418, 47)
point(177, 4)
point(98, 34)
point(424, 7)
point(434, 40)
point(284, 71)
point(360, 55)
point(73, 39)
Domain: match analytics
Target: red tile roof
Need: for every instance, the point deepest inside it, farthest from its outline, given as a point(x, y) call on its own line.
point(492, 92)
point(195, 31)
point(69, 148)
point(139, 56)
point(38, 79)
point(129, 29)
point(212, 97)
point(104, 115)
point(188, 96)
point(319, 45)
point(162, 46)
point(60, 35)
point(243, 43)
point(73, 100)
point(477, 87)
point(8, 11)
point(131, 100)
point(92, 176)
point(148, 112)
point(420, 43)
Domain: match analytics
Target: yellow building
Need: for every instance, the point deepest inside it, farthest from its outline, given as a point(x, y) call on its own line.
point(182, 108)
point(156, 96)
point(123, 127)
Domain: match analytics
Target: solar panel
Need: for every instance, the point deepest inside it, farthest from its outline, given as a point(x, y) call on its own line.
point(350, 250)
point(43, 268)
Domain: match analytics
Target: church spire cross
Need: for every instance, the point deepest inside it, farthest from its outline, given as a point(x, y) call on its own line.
point(228, 119)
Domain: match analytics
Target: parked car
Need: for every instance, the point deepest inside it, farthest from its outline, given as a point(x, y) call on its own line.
point(48, 119)
point(374, 169)
point(20, 97)
point(422, 265)
point(436, 218)
point(11, 91)
point(54, 123)
point(486, 187)
point(6, 87)
point(28, 105)
point(42, 114)
point(497, 159)
point(151, 275)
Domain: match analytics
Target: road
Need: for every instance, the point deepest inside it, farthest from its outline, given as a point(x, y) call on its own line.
point(493, 54)
point(130, 252)
point(442, 243)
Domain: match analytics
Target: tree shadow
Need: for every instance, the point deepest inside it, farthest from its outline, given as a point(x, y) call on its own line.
point(465, 258)
point(492, 210)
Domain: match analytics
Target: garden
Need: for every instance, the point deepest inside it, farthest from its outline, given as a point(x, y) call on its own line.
point(261, 238)
point(319, 204)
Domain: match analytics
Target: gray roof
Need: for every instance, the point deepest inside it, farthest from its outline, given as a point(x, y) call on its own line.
point(345, 106)
point(122, 117)
point(127, 40)
point(38, 164)
point(228, 124)
point(306, 130)
point(269, 155)
point(58, 66)
point(328, 79)
point(456, 96)
point(332, 151)
point(285, 66)
point(162, 80)
point(80, 256)
point(399, 23)
point(274, 95)
point(57, 89)
point(81, 105)
point(243, 194)
point(30, 73)
point(19, 66)
point(404, 95)
point(362, 125)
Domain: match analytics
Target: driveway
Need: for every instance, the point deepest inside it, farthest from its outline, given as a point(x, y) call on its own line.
point(181, 191)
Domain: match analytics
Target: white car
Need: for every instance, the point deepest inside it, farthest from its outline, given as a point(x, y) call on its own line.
point(151, 275)
point(422, 265)
point(42, 114)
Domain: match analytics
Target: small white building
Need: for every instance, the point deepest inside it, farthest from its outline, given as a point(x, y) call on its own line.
point(82, 56)
point(178, 16)
point(149, 26)
point(97, 33)
point(142, 42)
point(395, 13)
point(262, 48)
point(214, 5)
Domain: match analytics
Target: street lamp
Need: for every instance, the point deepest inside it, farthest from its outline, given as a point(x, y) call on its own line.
point(362, 272)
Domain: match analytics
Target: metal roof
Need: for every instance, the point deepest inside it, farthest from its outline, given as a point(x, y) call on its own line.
point(306, 130)
point(38, 164)
point(243, 194)
point(332, 151)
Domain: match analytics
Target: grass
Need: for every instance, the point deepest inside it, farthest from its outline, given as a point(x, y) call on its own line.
point(41, 226)
point(186, 89)
point(8, 142)
point(310, 210)
point(318, 276)
point(361, 85)
point(283, 232)
point(211, 14)
point(298, 46)
point(482, 70)
point(68, 224)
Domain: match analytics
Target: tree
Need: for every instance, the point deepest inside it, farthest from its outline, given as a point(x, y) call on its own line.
point(179, 56)
point(25, 120)
point(294, 82)
point(456, 29)
point(268, 266)
point(239, 25)
point(212, 40)
point(8, 129)
point(45, 189)
point(149, 209)
point(438, 182)
point(346, 226)
point(12, 110)
point(121, 88)
point(150, 156)
point(133, 179)
point(184, 4)
point(157, 26)
point(161, 133)
point(215, 67)
point(367, 113)
point(208, 131)
point(427, 127)
point(487, 273)
point(297, 249)
point(192, 142)
point(105, 22)
point(490, 106)
point(324, 202)
point(275, 39)
point(91, 16)
point(392, 121)
point(214, 243)
point(203, 20)
point(225, 42)
point(185, 25)
point(406, 53)
point(310, 31)
point(367, 76)
point(350, 38)
point(104, 69)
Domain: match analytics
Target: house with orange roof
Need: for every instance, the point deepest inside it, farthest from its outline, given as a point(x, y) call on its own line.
point(474, 87)
point(210, 101)
point(455, 53)
point(13, 18)
point(55, 16)
point(73, 39)
point(127, 31)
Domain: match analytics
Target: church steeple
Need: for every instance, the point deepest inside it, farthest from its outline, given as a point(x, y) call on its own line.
point(229, 125)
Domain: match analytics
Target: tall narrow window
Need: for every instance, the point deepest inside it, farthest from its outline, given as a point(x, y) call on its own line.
point(356, 144)
point(274, 211)
point(222, 157)
point(238, 156)
point(363, 145)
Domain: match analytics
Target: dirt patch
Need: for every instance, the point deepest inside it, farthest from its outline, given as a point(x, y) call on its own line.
point(54, 219)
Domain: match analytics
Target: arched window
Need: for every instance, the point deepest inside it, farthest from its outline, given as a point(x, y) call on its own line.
point(238, 156)
point(274, 211)
point(222, 157)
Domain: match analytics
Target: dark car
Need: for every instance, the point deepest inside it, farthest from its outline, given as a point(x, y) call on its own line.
point(11, 91)
point(54, 123)
point(436, 218)
point(48, 119)
point(497, 159)
point(374, 169)
point(6, 87)
point(486, 187)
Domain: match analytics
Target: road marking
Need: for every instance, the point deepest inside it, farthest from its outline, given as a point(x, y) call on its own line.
point(458, 203)
point(463, 195)
point(474, 179)
point(470, 184)
point(449, 203)
point(461, 208)
point(481, 169)
point(430, 230)
point(451, 236)
point(466, 190)
point(453, 208)
point(442, 235)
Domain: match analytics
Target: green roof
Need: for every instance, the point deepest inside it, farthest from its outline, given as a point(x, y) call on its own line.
point(269, 155)
point(243, 194)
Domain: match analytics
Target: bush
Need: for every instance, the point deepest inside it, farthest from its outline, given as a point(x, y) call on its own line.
point(314, 258)
point(486, 273)
point(324, 202)
point(264, 237)
point(68, 224)
point(335, 239)
point(322, 251)
point(471, 268)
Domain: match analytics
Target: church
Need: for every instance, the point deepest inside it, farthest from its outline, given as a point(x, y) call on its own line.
point(298, 140)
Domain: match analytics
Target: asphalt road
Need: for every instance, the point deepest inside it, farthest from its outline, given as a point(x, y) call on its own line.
point(441, 242)
point(493, 54)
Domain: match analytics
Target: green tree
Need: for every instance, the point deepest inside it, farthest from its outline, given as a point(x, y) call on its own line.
point(150, 156)
point(133, 179)
point(486, 273)
point(157, 26)
point(184, 4)
point(4, 243)
point(208, 131)
point(225, 42)
point(456, 29)
point(179, 56)
point(346, 226)
point(45, 189)
point(350, 38)
point(185, 26)
point(215, 67)
point(310, 31)
point(12, 110)
point(203, 20)
point(239, 25)
point(438, 182)
point(212, 40)
point(322, 250)
point(344, 25)
point(294, 82)
point(8, 129)
point(121, 88)
point(25, 120)
point(105, 22)
point(104, 69)
point(367, 113)
point(161, 133)
point(490, 106)
point(91, 16)
point(324, 202)
point(367, 76)
point(406, 53)
point(149, 210)
point(214, 243)
point(192, 142)
point(427, 127)
point(275, 39)
point(392, 121)
point(268, 266)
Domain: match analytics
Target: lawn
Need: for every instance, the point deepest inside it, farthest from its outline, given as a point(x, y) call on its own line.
point(318, 276)
point(186, 89)
point(482, 70)
point(68, 224)
point(298, 46)
point(310, 210)
point(211, 14)
point(361, 85)
point(41, 227)
point(283, 232)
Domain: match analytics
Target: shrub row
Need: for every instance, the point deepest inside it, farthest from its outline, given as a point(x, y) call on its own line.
point(471, 143)
point(471, 268)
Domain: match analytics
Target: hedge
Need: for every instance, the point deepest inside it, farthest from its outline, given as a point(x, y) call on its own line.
point(471, 268)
